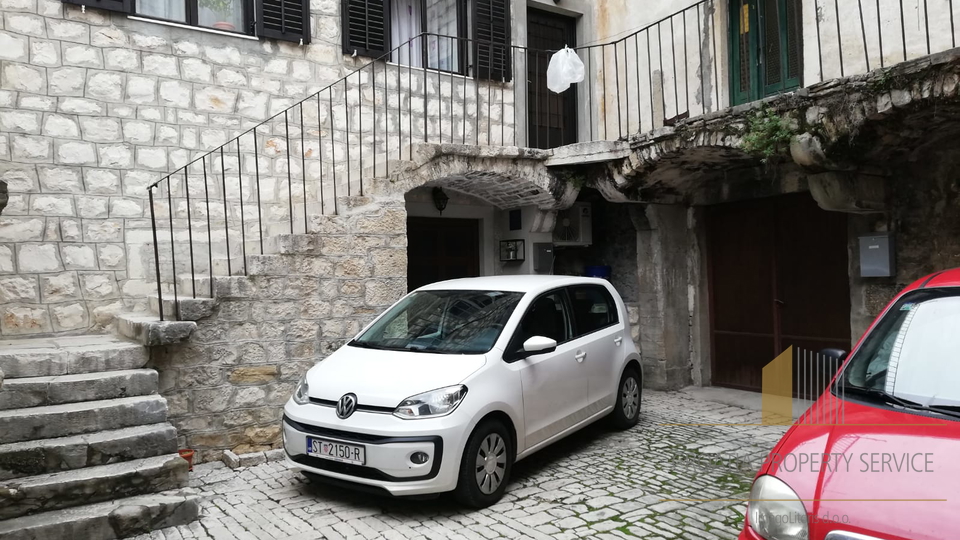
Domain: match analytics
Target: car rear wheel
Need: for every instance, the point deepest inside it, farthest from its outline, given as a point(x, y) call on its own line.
point(485, 467)
point(627, 411)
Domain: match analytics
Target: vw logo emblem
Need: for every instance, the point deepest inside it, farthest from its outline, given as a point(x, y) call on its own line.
point(346, 406)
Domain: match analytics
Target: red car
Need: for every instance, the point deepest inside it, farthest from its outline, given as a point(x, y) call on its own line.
point(877, 457)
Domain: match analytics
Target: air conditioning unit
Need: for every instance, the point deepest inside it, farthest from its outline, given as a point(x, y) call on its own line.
point(574, 226)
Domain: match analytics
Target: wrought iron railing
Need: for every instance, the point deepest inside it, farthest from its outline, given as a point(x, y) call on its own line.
point(222, 206)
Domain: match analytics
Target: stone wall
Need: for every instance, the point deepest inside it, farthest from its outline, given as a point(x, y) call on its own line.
point(94, 107)
point(227, 385)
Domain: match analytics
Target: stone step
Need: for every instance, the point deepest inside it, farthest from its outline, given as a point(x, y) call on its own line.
point(55, 491)
point(190, 309)
point(76, 418)
point(148, 330)
point(29, 458)
point(40, 357)
point(121, 518)
point(58, 389)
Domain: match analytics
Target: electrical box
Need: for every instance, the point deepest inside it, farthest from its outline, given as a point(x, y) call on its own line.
point(877, 255)
point(543, 255)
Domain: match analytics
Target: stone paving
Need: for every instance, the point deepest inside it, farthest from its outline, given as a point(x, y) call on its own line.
point(652, 482)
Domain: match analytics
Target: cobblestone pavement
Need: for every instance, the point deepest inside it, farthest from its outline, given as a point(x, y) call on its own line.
point(595, 484)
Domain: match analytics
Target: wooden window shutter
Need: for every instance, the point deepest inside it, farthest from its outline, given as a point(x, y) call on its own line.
point(123, 6)
point(366, 27)
point(288, 20)
point(491, 32)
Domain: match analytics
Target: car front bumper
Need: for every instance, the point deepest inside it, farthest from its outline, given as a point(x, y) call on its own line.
point(389, 443)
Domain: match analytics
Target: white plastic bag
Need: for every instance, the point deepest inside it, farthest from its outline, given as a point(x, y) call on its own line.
point(565, 69)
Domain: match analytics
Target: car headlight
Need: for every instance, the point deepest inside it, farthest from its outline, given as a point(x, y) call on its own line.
point(431, 404)
point(301, 396)
point(776, 512)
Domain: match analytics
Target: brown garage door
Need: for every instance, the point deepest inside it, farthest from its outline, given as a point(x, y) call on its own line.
point(778, 277)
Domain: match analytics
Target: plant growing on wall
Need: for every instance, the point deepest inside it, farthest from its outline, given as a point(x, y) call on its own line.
point(217, 6)
point(767, 134)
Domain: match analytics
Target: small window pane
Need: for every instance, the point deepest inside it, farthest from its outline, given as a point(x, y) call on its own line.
point(171, 10)
point(593, 309)
point(221, 14)
point(442, 19)
point(547, 317)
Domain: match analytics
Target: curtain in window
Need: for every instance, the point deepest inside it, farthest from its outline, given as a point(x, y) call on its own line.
point(171, 10)
point(442, 19)
point(405, 24)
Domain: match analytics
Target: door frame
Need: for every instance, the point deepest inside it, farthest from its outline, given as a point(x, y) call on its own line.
point(571, 122)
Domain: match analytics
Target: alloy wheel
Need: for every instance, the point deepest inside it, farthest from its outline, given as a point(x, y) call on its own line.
point(630, 397)
point(491, 463)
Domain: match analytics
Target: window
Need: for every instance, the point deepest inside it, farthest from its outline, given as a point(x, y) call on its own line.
point(227, 15)
point(593, 309)
point(546, 317)
point(766, 47)
point(453, 322)
point(458, 31)
point(287, 20)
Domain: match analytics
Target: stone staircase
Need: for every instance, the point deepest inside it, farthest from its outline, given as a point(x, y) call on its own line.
point(85, 446)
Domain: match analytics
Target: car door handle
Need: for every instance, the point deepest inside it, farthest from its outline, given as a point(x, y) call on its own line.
point(618, 340)
point(580, 356)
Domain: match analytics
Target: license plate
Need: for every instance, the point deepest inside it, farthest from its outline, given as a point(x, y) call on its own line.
point(336, 451)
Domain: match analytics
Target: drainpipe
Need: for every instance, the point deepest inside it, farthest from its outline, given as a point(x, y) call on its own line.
point(3, 196)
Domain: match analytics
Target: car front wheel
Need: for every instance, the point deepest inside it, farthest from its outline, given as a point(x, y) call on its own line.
point(485, 467)
point(627, 411)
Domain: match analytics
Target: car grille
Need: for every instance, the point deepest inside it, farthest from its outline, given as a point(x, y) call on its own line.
point(342, 468)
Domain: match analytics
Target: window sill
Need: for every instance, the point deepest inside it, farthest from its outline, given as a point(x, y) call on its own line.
point(453, 74)
point(194, 28)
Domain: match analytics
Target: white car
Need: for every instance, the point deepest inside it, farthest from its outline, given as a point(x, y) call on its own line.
point(460, 379)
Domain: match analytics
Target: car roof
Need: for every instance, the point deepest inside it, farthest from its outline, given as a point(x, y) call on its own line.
point(513, 283)
point(945, 278)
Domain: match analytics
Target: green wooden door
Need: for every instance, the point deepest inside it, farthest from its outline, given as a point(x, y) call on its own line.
point(766, 48)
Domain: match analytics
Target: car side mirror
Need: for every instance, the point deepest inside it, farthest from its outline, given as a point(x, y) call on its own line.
point(838, 354)
point(537, 345)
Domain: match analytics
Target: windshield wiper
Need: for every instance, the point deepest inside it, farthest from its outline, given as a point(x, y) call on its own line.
point(364, 345)
point(891, 399)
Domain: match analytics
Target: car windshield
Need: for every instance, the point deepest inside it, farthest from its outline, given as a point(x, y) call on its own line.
point(912, 353)
point(456, 322)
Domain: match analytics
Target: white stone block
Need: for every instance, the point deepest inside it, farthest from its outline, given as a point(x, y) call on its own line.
point(17, 320)
point(13, 47)
point(25, 23)
point(20, 121)
point(175, 93)
point(121, 59)
point(78, 257)
point(38, 103)
point(110, 36)
point(196, 70)
point(59, 179)
point(111, 256)
point(101, 181)
point(125, 208)
point(98, 286)
point(76, 153)
point(141, 90)
point(6, 260)
point(213, 99)
point(116, 155)
point(30, 148)
point(161, 64)
point(66, 81)
point(103, 231)
point(224, 55)
point(168, 135)
point(105, 85)
point(34, 258)
point(69, 316)
point(152, 157)
point(100, 129)
point(92, 207)
point(51, 205)
point(68, 31)
point(19, 289)
point(81, 106)
point(151, 42)
point(82, 55)
point(21, 229)
point(57, 125)
point(70, 230)
point(23, 78)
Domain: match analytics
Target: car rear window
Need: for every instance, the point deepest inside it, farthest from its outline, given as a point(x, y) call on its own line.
point(593, 308)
